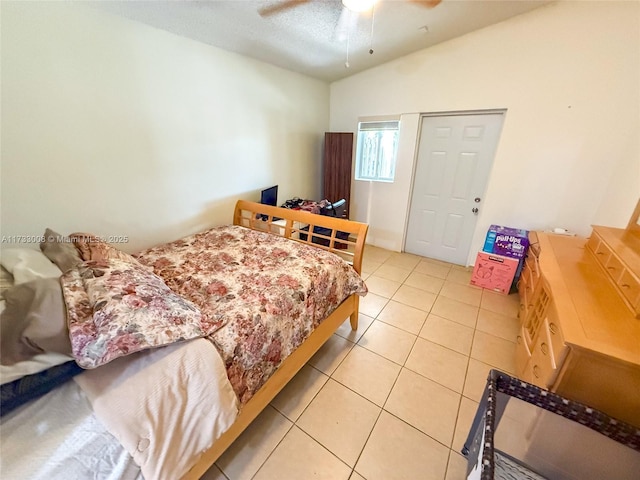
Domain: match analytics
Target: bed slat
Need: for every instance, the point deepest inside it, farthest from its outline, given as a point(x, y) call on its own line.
point(251, 214)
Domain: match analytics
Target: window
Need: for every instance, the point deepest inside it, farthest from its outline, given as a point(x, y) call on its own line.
point(376, 150)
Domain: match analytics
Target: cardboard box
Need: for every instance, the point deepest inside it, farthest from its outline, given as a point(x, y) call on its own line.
point(506, 241)
point(494, 272)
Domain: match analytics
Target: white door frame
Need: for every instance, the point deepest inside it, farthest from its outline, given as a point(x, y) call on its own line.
point(502, 111)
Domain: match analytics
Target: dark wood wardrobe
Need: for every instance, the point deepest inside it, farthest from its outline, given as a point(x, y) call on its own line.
point(338, 152)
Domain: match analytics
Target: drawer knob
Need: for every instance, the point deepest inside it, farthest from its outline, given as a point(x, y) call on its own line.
point(625, 285)
point(536, 371)
point(553, 328)
point(544, 348)
point(519, 339)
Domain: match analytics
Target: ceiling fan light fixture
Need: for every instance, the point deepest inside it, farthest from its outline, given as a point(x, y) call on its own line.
point(359, 5)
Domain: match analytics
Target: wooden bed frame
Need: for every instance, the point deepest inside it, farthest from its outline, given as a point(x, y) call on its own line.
point(261, 217)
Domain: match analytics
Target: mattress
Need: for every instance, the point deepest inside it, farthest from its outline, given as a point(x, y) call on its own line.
point(59, 437)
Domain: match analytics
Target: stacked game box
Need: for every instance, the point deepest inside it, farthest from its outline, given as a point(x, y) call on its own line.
point(499, 265)
point(506, 241)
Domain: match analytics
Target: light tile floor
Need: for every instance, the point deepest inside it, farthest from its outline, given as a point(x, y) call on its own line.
point(396, 398)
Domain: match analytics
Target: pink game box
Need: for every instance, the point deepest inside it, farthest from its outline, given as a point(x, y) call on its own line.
point(494, 272)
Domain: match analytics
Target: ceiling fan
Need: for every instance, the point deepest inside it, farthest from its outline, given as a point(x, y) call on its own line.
point(351, 9)
point(352, 5)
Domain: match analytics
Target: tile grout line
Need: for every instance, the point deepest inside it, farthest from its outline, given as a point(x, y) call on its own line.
point(354, 343)
point(294, 422)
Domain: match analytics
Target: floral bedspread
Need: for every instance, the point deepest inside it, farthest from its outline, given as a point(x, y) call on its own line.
point(117, 307)
point(269, 292)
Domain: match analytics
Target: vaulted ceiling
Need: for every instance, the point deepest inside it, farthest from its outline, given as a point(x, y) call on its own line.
point(320, 38)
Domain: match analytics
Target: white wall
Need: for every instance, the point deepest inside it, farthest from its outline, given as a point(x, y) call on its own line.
point(569, 155)
point(117, 128)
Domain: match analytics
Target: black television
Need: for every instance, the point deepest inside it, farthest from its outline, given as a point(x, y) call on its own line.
point(269, 196)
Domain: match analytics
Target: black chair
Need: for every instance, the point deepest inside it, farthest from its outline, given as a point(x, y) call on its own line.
point(334, 210)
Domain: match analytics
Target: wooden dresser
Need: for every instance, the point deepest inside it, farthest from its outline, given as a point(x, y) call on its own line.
point(617, 251)
point(580, 336)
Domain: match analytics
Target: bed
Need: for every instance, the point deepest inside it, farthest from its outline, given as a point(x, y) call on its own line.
point(231, 324)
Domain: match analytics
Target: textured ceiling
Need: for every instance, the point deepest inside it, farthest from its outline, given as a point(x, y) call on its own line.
point(313, 38)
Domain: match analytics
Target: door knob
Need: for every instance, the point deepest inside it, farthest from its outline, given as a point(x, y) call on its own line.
point(477, 199)
point(474, 210)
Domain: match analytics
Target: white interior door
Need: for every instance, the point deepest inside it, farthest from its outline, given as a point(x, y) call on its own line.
point(455, 154)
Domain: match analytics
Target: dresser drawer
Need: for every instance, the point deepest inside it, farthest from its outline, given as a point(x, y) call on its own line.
point(536, 312)
point(556, 338)
point(594, 242)
point(542, 365)
point(529, 280)
point(522, 309)
point(525, 280)
point(614, 268)
point(630, 288)
point(532, 263)
point(525, 290)
point(523, 354)
point(603, 253)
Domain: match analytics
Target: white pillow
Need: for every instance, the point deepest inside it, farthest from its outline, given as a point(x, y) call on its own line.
point(44, 361)
point(26, 264)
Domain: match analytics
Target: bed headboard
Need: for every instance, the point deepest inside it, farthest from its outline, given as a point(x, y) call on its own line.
point(346, 238)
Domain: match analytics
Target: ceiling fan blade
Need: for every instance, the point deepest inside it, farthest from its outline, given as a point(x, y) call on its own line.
point(427, 3)
point(346, 23)
point(280, 7)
